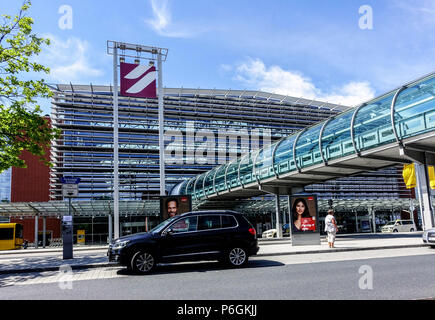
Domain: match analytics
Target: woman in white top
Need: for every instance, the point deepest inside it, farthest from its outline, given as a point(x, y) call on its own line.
point(331, 227)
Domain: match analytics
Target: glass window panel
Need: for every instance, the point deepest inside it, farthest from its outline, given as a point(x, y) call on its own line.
point(191, 183)
point(228, 222)
point(208, 182)
point(188, 224)
point(264, 162)
point(412, 108)
point(284, 151)
point(209, 222)
point(233, 174)
point(307, 145)
point(199, 191)
point(246, 167)
point(220, 178)
point(370, 120)
point(336, 134)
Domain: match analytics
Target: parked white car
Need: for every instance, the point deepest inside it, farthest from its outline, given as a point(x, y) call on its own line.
point(271, 233)
point(399, 226)
point(429, 237)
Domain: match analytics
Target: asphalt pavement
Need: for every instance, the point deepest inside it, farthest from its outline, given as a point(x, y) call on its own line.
point(85, 257)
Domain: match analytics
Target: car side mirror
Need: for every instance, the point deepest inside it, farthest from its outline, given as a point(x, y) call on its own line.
point(168, 232)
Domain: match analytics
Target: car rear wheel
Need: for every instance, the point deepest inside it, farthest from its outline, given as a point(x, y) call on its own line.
point(395, 230)
point(237, 257)
point(143, 262)
point(412, 230)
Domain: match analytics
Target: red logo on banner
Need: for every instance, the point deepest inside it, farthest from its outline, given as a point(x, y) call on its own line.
point(308, 224)
point(138, 81)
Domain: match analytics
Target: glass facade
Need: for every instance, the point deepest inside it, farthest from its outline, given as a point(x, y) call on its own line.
point(403, 113)
point(205, 133)
point(5, 185)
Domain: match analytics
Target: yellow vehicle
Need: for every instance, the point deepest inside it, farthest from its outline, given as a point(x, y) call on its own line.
point(11, 236)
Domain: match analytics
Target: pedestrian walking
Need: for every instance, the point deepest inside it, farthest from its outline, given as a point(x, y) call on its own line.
point(331, 228)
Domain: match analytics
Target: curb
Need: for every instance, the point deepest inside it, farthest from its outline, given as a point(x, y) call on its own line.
point(73, 267)
point(341, 250)
point(60, 249)
point(105, 265)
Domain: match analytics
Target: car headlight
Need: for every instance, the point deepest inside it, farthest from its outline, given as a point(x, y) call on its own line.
point(120, 244)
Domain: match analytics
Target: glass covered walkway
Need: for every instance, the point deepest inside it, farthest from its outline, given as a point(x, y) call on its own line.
point(377, 134)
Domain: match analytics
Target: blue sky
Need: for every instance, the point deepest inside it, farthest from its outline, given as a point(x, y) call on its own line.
point(314, 49)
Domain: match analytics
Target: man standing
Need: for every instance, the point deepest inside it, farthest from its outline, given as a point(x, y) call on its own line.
point(331, 227)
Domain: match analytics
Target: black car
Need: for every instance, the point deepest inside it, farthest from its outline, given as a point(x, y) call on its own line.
point(204, 235)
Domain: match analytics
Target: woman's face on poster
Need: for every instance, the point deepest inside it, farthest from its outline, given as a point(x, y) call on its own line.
point(300, 208)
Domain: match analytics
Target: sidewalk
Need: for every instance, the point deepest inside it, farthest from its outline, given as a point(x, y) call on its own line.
point(50, 259)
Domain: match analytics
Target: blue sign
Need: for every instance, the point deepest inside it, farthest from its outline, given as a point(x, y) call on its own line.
point(70, 180)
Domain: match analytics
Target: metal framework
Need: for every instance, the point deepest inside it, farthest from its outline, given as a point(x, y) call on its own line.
point(79, 208)
point(84, 113)
point(374, 132)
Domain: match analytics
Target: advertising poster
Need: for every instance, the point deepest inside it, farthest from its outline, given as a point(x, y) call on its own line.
point(304, 216)
point(81, 236)
point(174, 205)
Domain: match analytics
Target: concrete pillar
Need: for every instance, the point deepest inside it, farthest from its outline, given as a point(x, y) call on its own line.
point(277, 226)
point(373, 215)
point(424, 192)
point(36, 231)
point(110, 228)
point(44, 224)
point(356, 221)
point(411, 211)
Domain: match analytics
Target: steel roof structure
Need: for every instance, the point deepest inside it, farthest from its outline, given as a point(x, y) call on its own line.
point(84, 114)
point(152, 208)
point(79, 208)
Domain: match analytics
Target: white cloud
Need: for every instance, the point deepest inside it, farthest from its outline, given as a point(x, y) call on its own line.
point(422, 12)
point(69, 60)
point(257, 75)
point(162, 21)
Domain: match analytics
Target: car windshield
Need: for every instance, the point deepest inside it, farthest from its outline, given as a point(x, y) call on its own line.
point(391, 223)
point(162, 225)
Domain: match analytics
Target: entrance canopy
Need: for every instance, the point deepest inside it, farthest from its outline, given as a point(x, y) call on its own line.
point(79, 208)
point(267, 205)
point(102, 208)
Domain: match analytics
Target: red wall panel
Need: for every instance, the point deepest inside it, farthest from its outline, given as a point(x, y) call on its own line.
point(52, 224)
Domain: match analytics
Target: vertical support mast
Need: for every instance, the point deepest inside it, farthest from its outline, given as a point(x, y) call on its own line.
point(115, 142)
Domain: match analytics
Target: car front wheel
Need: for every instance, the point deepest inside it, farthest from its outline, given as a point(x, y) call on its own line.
point(143, 262)
point(237, 257)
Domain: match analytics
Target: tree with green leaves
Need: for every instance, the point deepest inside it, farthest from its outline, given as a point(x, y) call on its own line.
point(21, 125)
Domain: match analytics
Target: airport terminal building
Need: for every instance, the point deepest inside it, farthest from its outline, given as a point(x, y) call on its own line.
point(228, 123)
point(204, 129)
